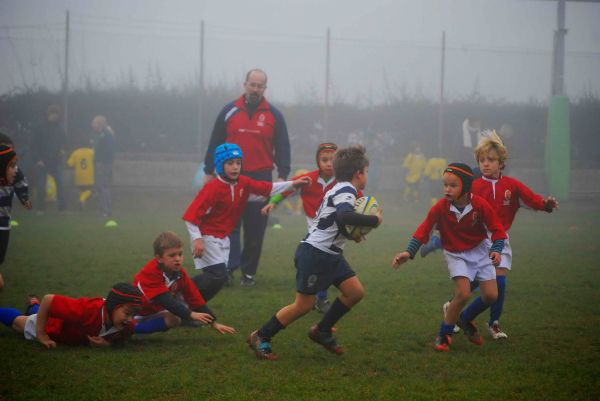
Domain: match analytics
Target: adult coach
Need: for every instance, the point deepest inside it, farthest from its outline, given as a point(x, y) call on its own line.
point(260, 130)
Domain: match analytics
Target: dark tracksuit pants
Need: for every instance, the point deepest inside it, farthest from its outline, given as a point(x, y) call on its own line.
point(254, 225)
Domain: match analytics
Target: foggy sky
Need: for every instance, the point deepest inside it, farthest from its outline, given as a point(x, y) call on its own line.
point(499, 49)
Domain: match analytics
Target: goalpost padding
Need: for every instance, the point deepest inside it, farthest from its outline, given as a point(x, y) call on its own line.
point(557, 160)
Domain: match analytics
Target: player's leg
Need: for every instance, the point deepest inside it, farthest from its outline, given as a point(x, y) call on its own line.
point(260, 340)
point(157, 322)
point(496, 308)
point(13, 318)
point(235, 250)
point(255, 224)
point(351, 293)
point(211, 280)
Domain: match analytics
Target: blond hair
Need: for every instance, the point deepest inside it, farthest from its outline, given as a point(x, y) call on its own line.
point(166, 240)
point(491, 141)
point(101, 123)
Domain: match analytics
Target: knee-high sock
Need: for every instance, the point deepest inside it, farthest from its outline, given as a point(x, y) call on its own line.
point(8, 315)
point(335, 313)
point(270, 329)
point(151, 326)
point(496, 308)
point(446, 329)
point(473, 310)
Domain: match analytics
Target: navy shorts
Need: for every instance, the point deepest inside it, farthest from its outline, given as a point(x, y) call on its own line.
point(317, 270)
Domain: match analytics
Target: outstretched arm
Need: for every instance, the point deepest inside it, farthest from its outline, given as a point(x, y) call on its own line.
point(42, 319)
point(400, 259)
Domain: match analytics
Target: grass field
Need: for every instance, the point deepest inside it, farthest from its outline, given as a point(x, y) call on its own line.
point(552, 313)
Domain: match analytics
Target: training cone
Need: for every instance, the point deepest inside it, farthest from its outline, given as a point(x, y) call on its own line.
point(14, 223)
point(277, 226)
point(111, 223)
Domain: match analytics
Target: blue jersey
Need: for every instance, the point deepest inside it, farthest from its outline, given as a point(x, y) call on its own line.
point(325, 233)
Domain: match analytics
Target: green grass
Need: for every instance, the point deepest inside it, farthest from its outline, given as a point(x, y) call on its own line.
point(551, 314)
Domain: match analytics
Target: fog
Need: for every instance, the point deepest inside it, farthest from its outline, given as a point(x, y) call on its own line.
point(498, 49)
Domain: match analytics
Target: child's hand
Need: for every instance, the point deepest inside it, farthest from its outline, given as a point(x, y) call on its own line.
point(267, 209)
point(221, 328)
point(400, 258)
point(97, 341)
point(202, 317)
point(198, 250)
point(496, 258)
point(301, 182)
point(46, 341)
point(359, 239)
point(27, 205)
point(379, 215)
point(551, 203)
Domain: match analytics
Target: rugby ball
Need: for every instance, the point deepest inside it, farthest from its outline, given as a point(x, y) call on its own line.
point(366, 205)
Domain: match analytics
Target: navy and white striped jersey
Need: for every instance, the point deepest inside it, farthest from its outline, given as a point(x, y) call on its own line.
point(21, 189)
point(325, 232)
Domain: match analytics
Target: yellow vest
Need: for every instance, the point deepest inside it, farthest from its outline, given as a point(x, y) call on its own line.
point(414, 163)
point(82, 160)
point(434, 169)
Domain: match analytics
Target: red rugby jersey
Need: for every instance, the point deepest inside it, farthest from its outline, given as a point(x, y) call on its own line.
point(466, 233)
point(218, 205)
point(152, 281)
point(71, 321)
point(312, 194)
point(505, 195)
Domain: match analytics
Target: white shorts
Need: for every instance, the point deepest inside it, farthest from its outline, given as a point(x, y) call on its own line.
point(474, 264)
point(216, 250)
point(29, 332)
point(506, 262)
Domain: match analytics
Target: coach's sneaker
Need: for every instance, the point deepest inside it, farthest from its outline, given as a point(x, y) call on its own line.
point(247, 281)
point(496, 331)
point(443, 343)
point(471, 332)
point(322, 305)
point(262, 349)
point(434, 243)
point(445, 310)
point(326, 340)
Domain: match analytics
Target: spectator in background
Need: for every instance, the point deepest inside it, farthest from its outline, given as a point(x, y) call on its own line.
point(471, 135)
point(104, 154)
point(47, 149)
point(260, 130)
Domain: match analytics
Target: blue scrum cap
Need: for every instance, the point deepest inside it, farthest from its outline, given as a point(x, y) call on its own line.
point(224, 152)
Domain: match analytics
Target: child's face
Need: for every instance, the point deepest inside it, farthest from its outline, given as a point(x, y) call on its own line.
point(452, 187)
point(123, 316)
point(361, 178)
point(171, 259)
point(325, 163)
point(490, 165)
point(232, 169)
point(11, 171)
